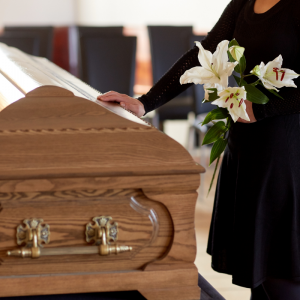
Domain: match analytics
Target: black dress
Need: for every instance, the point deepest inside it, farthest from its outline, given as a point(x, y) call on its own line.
point(255, 228)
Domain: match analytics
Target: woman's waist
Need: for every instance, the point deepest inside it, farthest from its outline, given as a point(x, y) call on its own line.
point(265, 132)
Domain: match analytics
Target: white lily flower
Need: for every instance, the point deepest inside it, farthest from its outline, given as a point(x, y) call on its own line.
point(236, 52)
point(273, 76)
point(215, 68)
point(233, 98)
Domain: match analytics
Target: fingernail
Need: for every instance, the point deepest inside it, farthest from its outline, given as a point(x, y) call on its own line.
point(122, 104)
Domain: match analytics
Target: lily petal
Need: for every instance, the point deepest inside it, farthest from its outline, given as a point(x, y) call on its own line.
point(220, 57)
point(204, 56)
point(197, 75)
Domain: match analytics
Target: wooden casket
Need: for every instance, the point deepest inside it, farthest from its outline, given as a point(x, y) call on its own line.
point(92, 198)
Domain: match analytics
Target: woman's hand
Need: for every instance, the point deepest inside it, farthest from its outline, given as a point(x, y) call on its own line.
point(125, 101)
point(250, 113)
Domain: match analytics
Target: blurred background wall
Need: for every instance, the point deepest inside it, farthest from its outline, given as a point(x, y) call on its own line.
point(202, 14)
point(135, 15)
point(37, 12)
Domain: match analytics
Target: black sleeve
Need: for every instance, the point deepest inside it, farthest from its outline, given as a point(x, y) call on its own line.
point(169, 86)
point(290, 104)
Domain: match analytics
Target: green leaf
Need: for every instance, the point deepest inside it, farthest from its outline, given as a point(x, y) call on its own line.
point(229, 122)
point(214, 133)
point(215, 170)
point(216, 114)
point(217, 149)
point(233, 43)
point(272, 92)
point(211, 96)
point(239, 82)
point(242, 64)
point(237, 68)
point(255, 95)
point(231, 59)
point(276, 94)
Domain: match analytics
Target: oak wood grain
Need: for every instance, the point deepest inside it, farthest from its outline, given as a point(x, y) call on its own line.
point(178, 293)
point(99, 282)
point(39, 136)
point(174, 182)
point(181, 206)
point(67, 159)
point(68, 212)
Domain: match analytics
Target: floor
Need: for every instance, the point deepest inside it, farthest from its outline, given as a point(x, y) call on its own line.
point(222, 282)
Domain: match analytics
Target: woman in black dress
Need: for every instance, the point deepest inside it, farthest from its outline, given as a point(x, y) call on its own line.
point(255, 228)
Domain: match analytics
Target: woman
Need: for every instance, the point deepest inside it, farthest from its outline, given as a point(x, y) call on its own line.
point(255, 228)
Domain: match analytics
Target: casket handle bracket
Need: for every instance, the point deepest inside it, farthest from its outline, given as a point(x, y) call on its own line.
point(32, 235)
point(103, 232)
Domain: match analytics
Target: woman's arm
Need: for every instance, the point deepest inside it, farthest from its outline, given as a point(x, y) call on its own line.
point(169, 86)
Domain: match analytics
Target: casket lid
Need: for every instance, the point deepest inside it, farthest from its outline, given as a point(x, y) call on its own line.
point(52, 133)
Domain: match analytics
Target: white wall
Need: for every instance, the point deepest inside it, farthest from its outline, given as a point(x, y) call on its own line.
point(37, 12)
point(203, 14)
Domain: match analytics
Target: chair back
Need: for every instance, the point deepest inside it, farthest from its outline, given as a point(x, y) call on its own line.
point(26, 43)
point(108, 63)
point(78, 32)
point(167, 45)
point(100, 31)
point(44, 33)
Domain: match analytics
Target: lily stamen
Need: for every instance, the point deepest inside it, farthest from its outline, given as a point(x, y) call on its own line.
point(276, 71)
point(282, 76)
point(241, 102)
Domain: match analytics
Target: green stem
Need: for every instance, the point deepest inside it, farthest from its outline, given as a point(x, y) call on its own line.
point(248, 75)
point(212, 180)
point(255, 83)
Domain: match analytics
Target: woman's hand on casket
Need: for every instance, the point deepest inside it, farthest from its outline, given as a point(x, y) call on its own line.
point(250, 113)
point(125, 101)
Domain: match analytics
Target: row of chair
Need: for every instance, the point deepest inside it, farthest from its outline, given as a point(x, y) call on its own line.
point(33, 40)
point(106, 59)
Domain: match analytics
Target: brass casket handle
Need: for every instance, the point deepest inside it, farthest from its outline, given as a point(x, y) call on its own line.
point(34, 234)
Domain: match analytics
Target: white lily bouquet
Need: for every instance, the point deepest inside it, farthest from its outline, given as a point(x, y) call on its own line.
point(214, 72)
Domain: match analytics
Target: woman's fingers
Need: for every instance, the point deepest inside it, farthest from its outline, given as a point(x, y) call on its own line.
point(112, 96)
point(250, 113)
point(137, 108)
point(125, 101)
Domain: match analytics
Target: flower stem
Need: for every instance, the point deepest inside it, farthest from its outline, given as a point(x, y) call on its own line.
point(247, 75)
point(215, 170)
point(255, 83)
